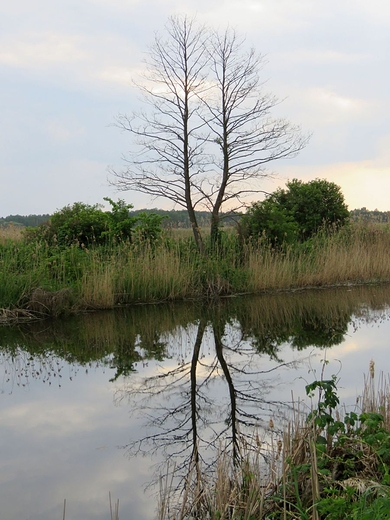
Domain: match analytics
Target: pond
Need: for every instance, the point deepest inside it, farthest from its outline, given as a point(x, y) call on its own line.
point(105, 402)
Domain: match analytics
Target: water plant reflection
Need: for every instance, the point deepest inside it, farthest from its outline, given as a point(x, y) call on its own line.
point(128, 338)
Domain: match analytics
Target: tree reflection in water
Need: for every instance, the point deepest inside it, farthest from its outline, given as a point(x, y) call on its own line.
point(198, 414)
point(210, 395)
point(215, 403)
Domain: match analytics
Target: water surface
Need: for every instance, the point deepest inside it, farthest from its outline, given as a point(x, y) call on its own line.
point(101, 402)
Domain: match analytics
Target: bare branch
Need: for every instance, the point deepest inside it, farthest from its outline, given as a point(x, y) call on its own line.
point(208, 134)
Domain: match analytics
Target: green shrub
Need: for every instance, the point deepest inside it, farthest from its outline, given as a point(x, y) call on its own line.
point(297, 213)
point(85, 226)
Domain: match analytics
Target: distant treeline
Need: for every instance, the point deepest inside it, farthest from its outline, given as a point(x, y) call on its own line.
point(179, 218)
point(21, 220)
point(366, 215)
point(175, 218)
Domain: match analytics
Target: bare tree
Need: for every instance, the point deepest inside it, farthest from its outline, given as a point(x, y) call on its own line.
point(241, 126)
point(169, 160)
point(205, 96)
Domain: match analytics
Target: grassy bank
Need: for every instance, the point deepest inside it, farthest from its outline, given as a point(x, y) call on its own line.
point(329, 464)
point(52, 280)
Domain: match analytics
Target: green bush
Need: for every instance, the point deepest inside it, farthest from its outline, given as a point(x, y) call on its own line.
point(79, 224)
point(297, 213)
point(85, 226)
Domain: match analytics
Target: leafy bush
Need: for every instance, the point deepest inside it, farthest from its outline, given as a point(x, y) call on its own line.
point(85, 225)
point(297, 213)
point(148, 227)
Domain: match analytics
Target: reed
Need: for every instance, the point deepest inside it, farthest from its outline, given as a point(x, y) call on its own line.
point(104, 277)
point(356, 255)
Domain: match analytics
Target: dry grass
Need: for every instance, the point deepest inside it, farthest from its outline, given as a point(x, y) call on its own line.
point(98, 285)
point(50, 303)
point(376, 395)
point(131, 276)
point(360, 255)
point(11, 232)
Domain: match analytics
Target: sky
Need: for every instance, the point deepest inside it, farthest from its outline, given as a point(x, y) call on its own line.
point(66, 71)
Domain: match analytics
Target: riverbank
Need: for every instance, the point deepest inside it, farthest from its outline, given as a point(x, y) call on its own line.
point(46, 280)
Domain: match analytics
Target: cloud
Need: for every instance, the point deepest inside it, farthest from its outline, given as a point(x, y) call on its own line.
point(42, 50)
point(119, 75)
point(332, 107)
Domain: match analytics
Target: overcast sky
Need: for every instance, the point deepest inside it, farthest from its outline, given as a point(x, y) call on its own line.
point(66, 69)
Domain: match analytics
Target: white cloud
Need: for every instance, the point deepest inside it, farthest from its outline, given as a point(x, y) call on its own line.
point(120, 75)
point(332, 107)
point(37, 50)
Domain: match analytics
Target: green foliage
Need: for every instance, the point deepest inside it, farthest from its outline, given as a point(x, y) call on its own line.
point(85, 226)
point(297, 213)
point(79, 224)
point(355, 449)
point(270, 220)
point(148, 227)
point(120, 224)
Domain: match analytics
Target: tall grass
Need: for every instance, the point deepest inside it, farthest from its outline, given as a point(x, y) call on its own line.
point(357, 254)
point(103, 277)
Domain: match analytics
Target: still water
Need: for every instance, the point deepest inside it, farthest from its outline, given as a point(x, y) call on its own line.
point(103, 402)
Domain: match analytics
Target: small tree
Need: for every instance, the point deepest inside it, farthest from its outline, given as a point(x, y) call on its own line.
point(297, 212)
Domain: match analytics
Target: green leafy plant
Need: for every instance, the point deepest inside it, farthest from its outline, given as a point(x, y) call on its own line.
point(353, 456)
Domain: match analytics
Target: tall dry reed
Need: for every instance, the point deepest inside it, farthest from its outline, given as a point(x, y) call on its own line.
point(355, 255)
point(10, 232)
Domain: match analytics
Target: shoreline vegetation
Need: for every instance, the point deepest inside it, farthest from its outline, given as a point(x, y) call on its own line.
point(38, 279)
point(327, 463)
